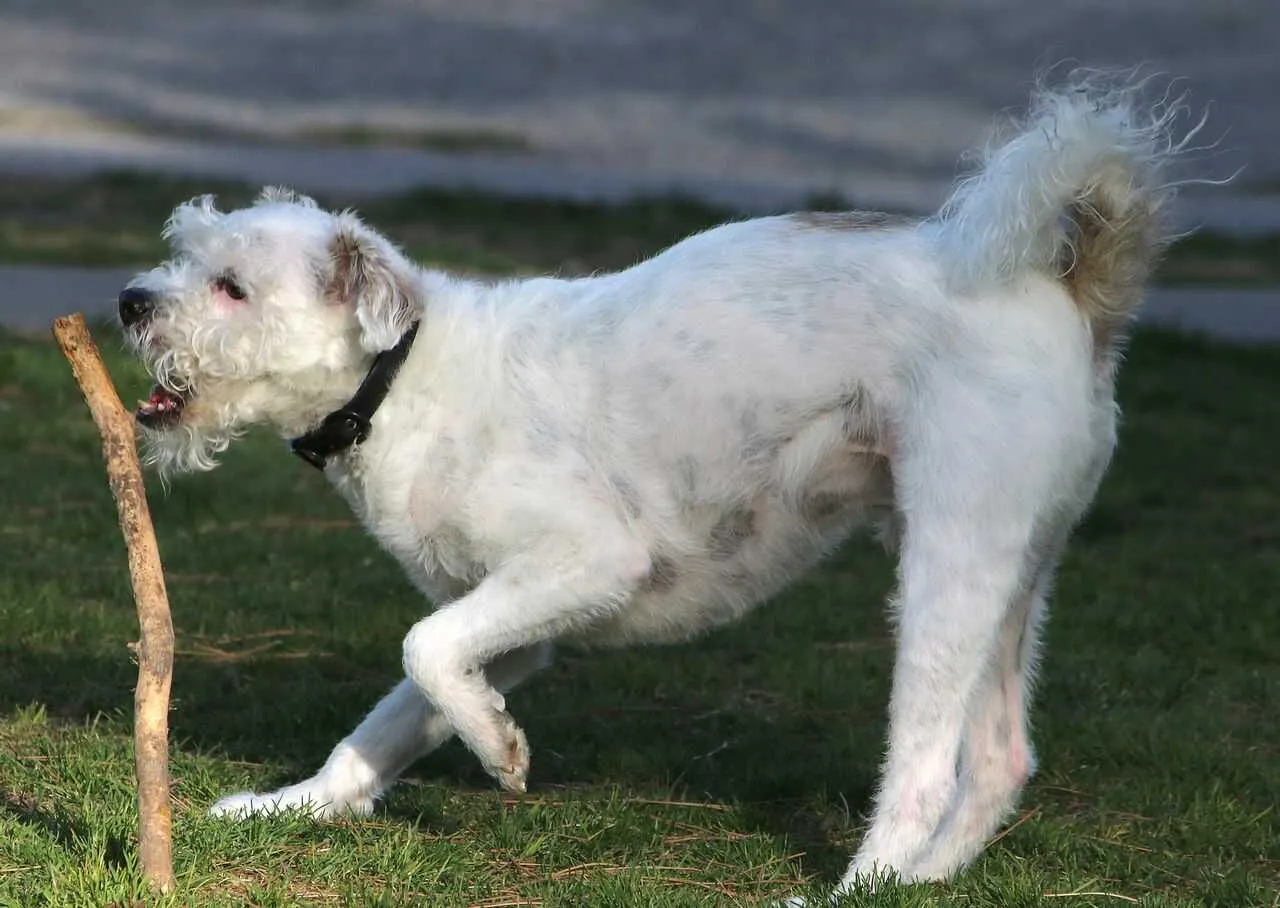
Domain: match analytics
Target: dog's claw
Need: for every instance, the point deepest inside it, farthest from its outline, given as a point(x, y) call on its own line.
point(513, 780)
point(513, 772)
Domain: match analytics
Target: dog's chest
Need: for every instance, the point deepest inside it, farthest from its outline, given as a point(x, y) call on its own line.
point(409, 515)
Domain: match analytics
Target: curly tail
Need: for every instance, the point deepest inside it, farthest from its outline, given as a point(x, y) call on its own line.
point(1080, 192)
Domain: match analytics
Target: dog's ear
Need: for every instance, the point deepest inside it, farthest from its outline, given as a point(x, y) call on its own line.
point(283, 194)
point(370, 275)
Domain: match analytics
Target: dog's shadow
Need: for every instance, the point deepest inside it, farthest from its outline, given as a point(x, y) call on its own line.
point(798, 776)
point(70, 834)
point(780, 716)
point(596, 722)
point(791, 762)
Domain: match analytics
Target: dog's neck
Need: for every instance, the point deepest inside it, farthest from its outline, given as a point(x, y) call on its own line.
point(351, 423)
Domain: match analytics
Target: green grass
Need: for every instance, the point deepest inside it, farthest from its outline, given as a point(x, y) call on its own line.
point(115, 220)
point(728, 771)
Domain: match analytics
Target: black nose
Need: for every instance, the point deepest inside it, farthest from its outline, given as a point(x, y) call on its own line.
point(136, 304)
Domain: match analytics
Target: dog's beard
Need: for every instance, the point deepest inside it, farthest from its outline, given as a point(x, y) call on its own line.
point(184, 431)
point(184, 448)
point(181, 426)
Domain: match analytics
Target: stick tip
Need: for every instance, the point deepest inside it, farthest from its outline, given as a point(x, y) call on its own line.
point(68, 327)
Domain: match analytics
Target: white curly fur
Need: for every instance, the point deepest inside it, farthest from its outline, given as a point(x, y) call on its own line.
point(1096, 138)
point(643, 455)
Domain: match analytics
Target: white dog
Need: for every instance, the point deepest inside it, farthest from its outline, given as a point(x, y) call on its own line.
point(644, 455)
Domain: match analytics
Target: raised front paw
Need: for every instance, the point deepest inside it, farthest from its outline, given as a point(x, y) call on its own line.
point(506, 753)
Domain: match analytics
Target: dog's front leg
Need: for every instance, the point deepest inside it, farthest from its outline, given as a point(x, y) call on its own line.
point(533, 597)
point(399, 730)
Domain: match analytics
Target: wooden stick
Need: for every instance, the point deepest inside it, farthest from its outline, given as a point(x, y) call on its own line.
point(155, 649)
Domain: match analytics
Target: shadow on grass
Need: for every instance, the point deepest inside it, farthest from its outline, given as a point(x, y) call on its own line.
point(599, 724)
point(68, 833)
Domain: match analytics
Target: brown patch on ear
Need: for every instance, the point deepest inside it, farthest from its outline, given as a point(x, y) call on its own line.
point(344, 278)
point(849, 220)
point(360, 266)
point(371, 276)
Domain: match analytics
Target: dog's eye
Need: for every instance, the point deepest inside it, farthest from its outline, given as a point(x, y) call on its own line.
point(228, 285)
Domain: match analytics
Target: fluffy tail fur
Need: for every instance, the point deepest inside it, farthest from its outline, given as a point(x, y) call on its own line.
point(1080, 192)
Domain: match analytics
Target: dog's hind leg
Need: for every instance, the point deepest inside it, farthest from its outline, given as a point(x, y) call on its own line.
point(399, 730)
point(996, 757)
point(950, 618)
point(976, 477)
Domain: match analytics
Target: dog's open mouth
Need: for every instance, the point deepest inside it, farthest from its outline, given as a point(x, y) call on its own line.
point(162, 410)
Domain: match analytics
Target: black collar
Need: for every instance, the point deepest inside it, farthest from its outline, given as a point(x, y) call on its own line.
point(349, 425)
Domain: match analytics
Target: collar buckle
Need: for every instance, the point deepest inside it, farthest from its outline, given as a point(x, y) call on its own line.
point(340, 430)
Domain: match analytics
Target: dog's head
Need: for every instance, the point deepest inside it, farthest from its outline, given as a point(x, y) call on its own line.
point(267, 314)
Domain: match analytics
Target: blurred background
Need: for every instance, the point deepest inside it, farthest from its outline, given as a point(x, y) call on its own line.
point(739, 105)
point(750, 102)
point(510, 137)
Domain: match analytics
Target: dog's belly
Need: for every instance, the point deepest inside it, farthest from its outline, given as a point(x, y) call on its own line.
point(750, 553)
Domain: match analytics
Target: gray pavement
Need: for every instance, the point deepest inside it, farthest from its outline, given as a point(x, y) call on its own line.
point(31, 297)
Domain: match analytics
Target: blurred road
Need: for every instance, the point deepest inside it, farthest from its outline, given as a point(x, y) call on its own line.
point(756, 103)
